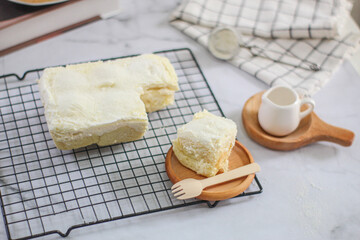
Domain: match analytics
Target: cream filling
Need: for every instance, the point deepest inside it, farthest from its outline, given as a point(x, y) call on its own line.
point(208, 130)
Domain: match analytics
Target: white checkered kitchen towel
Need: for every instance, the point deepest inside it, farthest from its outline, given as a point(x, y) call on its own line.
point(282, 38)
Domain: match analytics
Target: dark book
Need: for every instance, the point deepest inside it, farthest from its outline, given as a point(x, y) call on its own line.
point(23, 25)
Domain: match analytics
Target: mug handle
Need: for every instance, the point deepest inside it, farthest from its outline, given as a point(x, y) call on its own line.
point(310, 109)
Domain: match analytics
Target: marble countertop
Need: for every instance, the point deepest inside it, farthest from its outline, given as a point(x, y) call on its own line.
point(309, 193)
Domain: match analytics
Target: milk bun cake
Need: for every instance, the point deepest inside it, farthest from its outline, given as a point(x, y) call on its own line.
point(205, 143)
point(105, 102)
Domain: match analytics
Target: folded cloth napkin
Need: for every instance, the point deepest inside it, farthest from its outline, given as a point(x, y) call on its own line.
point(280, 38)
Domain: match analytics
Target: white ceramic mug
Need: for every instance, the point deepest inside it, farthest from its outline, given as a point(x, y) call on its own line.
point(280, 113)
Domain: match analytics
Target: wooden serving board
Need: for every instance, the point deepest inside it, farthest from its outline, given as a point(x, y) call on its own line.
point(239, 156)
point(311, 129)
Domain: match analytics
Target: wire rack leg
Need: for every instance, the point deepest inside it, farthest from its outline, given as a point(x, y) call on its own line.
point(212, 205)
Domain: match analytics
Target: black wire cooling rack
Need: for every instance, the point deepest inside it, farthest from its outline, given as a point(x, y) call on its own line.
point(47, 191)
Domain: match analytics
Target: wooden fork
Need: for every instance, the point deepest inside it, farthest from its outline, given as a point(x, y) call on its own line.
point(189, 188)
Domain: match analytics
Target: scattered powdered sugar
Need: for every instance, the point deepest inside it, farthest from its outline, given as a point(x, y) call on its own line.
point(311, 208)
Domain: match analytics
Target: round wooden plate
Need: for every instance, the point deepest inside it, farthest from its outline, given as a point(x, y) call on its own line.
point(239, 156)
point(311, 129)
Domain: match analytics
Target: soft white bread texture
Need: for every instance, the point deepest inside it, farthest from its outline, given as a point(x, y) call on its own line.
point(205, 143)
point(105, 102)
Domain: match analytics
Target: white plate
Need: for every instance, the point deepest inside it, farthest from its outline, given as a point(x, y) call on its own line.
point(38, 4)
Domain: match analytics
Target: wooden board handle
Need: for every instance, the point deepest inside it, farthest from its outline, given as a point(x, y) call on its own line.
point(334, 134)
